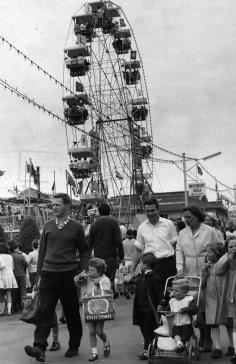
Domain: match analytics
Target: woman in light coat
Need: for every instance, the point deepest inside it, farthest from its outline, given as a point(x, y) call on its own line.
point(191, 253)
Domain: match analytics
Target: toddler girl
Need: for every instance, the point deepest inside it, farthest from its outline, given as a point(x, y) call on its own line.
point(226, 266)
point(213, 289)
point(96, 281)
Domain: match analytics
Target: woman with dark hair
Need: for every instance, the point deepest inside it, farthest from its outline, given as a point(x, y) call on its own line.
point(191, 253)
point(7, 278)
point(193, 241)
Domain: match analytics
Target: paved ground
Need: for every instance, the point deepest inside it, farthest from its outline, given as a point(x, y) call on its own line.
point(125, 339)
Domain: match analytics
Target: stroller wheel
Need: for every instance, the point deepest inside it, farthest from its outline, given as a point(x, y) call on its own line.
point(196, 347)
point(192, 352)
point(152, 359)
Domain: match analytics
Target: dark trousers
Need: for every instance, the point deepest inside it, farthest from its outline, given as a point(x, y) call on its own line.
point(33, 278)
point(166, 268)
point(112, 266)
point(19, 294)
point(184, 331)
point(55, 286)
point(147, 325)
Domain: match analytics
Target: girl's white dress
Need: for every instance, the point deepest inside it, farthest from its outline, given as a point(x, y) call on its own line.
point(7, 278)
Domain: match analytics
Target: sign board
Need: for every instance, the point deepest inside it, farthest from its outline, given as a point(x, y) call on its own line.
point(197, 188)
point(232, 212)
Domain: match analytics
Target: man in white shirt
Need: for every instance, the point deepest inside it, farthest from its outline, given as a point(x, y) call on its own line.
point(155, 235)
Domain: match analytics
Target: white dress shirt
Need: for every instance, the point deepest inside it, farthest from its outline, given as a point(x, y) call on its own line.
point(156, 238)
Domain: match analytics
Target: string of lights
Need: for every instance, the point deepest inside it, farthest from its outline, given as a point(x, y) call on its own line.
point(216, 190)
point(33, 102)
point(50, 113)
point(216, 179)
point(33, 63)
point(57, 82)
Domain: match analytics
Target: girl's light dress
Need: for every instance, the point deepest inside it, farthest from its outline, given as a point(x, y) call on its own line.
point(7, 278)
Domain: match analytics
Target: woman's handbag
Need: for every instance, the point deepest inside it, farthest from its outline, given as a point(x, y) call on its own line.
point(98, 307)
point(31, 309)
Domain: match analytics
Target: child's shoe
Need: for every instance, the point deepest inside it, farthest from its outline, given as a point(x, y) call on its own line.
point(143, 355)
point(230, 351)
point(216, 354)
point(55, 346)
point(107, 349)
point(180, 347)
point(233, 359)
point(93, 357)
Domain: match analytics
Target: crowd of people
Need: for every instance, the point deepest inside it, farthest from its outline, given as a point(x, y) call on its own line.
point(17, 275)
point(68, 266)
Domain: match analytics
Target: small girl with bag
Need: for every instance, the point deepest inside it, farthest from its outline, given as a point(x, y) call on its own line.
point(96, 282)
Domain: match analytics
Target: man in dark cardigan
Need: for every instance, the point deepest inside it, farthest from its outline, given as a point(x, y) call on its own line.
point(61, 239)
point(105, 240)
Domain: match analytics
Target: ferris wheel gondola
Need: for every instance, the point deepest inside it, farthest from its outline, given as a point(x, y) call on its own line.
point(107, 114)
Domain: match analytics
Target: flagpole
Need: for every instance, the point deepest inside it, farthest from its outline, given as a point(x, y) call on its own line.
point(29, 186)
point(185, 180)
point(66, 182)
point(54, 175)
point(25, 182)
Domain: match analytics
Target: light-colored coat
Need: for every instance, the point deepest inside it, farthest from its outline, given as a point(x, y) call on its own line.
point(191, 250)
point(213, 293)
point(223, 268)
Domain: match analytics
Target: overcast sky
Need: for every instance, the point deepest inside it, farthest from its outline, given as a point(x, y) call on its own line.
point(188, 48)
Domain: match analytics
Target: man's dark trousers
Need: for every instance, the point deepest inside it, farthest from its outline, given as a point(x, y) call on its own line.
point(55, 286)
point(166, 267)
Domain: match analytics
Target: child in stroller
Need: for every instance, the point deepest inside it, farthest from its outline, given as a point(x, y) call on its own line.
point(177, 329)
point(183, 306)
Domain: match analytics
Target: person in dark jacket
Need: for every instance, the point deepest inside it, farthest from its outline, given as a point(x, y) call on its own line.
point(148, 294)
point(20, 265)
point(105, 241)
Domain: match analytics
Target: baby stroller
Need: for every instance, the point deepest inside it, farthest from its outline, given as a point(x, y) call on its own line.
point(163, 346)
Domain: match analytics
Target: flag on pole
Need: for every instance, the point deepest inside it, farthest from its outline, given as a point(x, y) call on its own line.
point(54, 183)
point(199, 171)
point(27, 167)
point(70, 180)
point(53, 187)
point(1, 173)
point(33, 172)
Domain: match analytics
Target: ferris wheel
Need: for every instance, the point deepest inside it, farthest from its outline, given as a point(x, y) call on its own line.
point(107, 112)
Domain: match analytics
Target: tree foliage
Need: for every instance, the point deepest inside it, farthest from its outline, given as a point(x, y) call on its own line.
point(28, 232)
